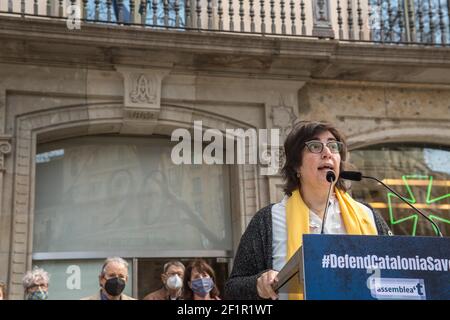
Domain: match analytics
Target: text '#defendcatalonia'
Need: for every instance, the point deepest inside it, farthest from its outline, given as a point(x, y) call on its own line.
point(386, 262)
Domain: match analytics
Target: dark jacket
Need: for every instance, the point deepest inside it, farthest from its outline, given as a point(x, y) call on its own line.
point(254, 254)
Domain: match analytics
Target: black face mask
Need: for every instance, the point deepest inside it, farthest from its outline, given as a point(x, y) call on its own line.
point(114, 286)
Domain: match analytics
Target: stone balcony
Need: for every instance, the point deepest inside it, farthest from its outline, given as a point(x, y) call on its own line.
point(48, 41)
point(391, 21)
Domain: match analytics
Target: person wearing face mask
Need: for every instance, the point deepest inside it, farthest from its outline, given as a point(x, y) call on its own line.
point(35, 284)
point(172, 279)
point(112, 279)
point(200, 282)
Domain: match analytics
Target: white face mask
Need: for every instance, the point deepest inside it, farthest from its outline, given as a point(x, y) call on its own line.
point(174, 282)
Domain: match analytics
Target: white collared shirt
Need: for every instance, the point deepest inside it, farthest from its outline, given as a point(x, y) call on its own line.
point(333, 225)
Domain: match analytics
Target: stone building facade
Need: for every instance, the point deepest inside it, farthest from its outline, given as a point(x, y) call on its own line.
point(125, 81)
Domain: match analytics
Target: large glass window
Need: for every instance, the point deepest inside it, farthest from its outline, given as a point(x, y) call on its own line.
point(123, 194)
point(420, 173)
point(389, 20)
point(158, 13)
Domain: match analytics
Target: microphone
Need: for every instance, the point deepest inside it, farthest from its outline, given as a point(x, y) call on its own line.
point(331, 177)
point(357, 176)
point(351, 175)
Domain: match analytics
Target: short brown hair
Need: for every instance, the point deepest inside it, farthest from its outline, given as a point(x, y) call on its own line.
point(201, 266)
point(294, 147)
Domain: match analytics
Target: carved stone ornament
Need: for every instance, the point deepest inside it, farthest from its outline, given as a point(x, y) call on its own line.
point(283, 118)
point(144, 89)
point(142, 92)
point(5, 148)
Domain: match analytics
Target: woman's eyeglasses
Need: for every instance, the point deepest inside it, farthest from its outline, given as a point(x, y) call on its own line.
point(316, 146)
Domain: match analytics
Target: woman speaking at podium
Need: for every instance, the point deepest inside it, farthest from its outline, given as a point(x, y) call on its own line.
point(274, 234)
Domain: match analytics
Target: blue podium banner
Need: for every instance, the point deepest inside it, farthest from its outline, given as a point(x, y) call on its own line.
point(376, 267)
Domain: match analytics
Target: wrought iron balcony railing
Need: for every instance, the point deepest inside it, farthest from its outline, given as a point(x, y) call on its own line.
point(386, 21)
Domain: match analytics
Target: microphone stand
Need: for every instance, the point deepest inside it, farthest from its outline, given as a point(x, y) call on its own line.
point(330, 178)
point(291, 268)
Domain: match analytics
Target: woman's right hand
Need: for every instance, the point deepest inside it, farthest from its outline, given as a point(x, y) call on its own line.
point(264, 285)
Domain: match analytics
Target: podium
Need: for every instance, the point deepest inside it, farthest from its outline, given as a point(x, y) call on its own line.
point(349, 267)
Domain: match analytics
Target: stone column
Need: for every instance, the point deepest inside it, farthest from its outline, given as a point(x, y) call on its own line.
point(5, 148)
point(322, 27)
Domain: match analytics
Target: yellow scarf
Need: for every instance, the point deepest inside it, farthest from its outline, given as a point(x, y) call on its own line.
point(355, 220)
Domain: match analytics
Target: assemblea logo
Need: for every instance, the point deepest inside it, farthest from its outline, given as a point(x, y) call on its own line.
point(250, 144)
point(397, 288)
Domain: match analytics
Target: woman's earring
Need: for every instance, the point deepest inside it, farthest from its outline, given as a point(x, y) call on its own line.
point(298, 174)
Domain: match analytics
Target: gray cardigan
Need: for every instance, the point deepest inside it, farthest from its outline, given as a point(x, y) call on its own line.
point(254, 254)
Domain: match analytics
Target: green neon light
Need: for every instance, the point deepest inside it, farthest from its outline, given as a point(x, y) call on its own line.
point(391, 213)
point(412, 200)
point(430, 185)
